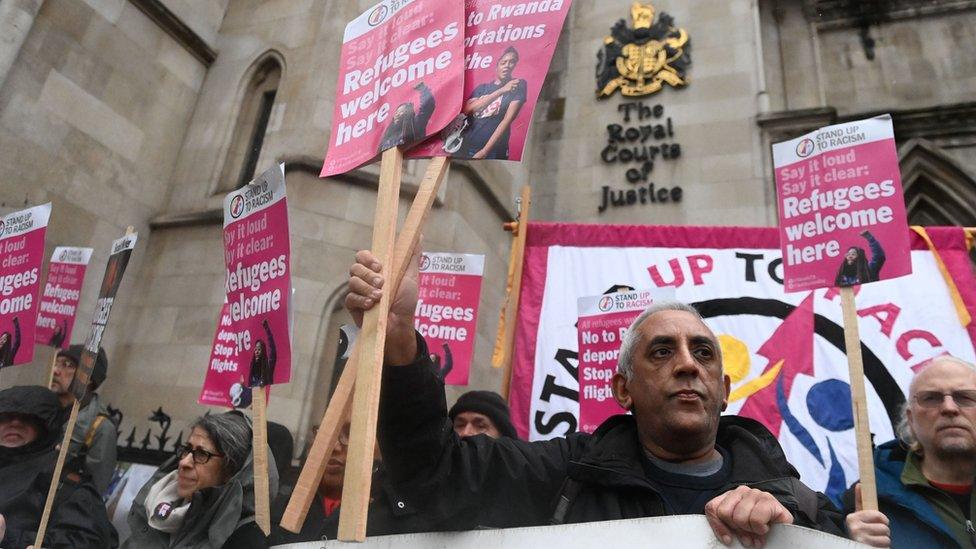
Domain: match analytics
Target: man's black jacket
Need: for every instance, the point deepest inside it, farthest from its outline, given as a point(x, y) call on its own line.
point(482, 482)
point(78, 519)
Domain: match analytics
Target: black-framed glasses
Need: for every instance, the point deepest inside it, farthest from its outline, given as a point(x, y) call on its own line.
point(964, 398)
point(200, 456)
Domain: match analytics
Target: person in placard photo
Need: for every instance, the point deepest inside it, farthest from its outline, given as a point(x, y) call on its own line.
point(57, 336)
point(856, 268)
point(409, 125)
point(492, 108)
point(263, 360)
point(9, 345)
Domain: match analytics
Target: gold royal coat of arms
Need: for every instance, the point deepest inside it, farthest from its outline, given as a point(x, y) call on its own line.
point(639, 61)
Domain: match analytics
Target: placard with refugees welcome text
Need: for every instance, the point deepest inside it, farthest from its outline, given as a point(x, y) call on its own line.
point(21, 255)
point(61, 294)
point(841, 209)
point(111, 280)
point(603, 321)
point(257, 281)
point(400, 79)
point(447, 311)
point(508, 45)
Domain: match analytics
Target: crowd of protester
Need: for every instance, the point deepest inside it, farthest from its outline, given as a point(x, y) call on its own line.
point(465, 467)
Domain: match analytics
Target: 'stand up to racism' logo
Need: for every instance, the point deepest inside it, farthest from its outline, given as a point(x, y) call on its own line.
point(237, 206)
point(804, 148)
point(606, 303)
point(424, 262)
point(2, 227)
point(378, 15)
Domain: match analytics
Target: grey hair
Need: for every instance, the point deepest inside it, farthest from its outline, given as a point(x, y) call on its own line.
point(628, 346)
point(231, 435)
point(903, 430)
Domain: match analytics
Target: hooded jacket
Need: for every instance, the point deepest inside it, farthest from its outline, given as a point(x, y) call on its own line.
point(220, 516)
point(482, 482)
point(94, 444)
point(913, 506)
point(78, 519)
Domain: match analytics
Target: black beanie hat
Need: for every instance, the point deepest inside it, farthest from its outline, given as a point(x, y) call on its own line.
point(99, 370)
point(490, 404)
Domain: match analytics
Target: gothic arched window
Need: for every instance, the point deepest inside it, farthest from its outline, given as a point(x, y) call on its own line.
point(252, 124)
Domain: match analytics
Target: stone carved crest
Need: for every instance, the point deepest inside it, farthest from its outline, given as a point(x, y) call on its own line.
point(640, 60)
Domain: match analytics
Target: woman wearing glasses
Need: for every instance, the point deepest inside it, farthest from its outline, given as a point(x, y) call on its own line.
point(203, 496)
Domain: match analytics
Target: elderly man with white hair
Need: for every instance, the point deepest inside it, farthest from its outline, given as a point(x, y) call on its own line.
point(925, 478)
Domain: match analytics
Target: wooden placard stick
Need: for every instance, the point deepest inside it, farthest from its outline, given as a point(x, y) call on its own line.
point(56, 479)
point(505, 340)
point(365, 407)
point(859, 401)
point(259, 445)
point(340, 405)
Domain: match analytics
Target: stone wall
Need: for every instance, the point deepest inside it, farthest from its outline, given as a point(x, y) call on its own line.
point(719, 169)
point(92, 118)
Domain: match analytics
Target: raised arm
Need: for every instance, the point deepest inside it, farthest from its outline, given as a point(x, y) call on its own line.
point(272, 350)
point(462, 483)
point(877, 255)
point(15, 344)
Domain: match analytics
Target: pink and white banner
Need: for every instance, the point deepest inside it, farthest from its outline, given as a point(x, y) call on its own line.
point(784, 352)
point(508, 45)
point(603, 320)
point(400, 79)
point(447, 311)
point(841, 208)
point(22, 252)
point(258, 285)
point(62, 292)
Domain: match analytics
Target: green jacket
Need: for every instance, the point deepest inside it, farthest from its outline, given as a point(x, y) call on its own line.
point(942, 503)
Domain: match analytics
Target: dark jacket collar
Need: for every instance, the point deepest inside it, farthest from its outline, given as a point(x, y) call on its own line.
point(614, 456)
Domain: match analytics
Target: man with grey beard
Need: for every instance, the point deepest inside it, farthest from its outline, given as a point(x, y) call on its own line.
point(925, 479)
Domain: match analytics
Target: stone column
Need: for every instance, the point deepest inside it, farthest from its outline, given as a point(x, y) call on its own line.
point(16, 20)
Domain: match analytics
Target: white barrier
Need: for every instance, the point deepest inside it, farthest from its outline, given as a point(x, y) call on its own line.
point(681, 531)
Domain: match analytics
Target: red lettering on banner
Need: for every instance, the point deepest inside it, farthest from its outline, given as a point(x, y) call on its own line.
point(700, 265)
point(911, 335)
point(679, 275)
point(885, 314)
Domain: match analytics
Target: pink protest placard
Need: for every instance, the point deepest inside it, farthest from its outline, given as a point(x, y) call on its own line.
point(447, 311)
point(22, 252)
point(841, 210)
point(508, 45)
point(258, 281)
point(400, 79)
point(225, 383)
point(62, 292)
point(603, 320)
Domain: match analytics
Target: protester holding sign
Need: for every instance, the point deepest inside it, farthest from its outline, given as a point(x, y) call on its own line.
point(31, 422)
point(925, 479)
point(22, 248)
point(203, 496)
point(95, 437)
point(674, 455)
